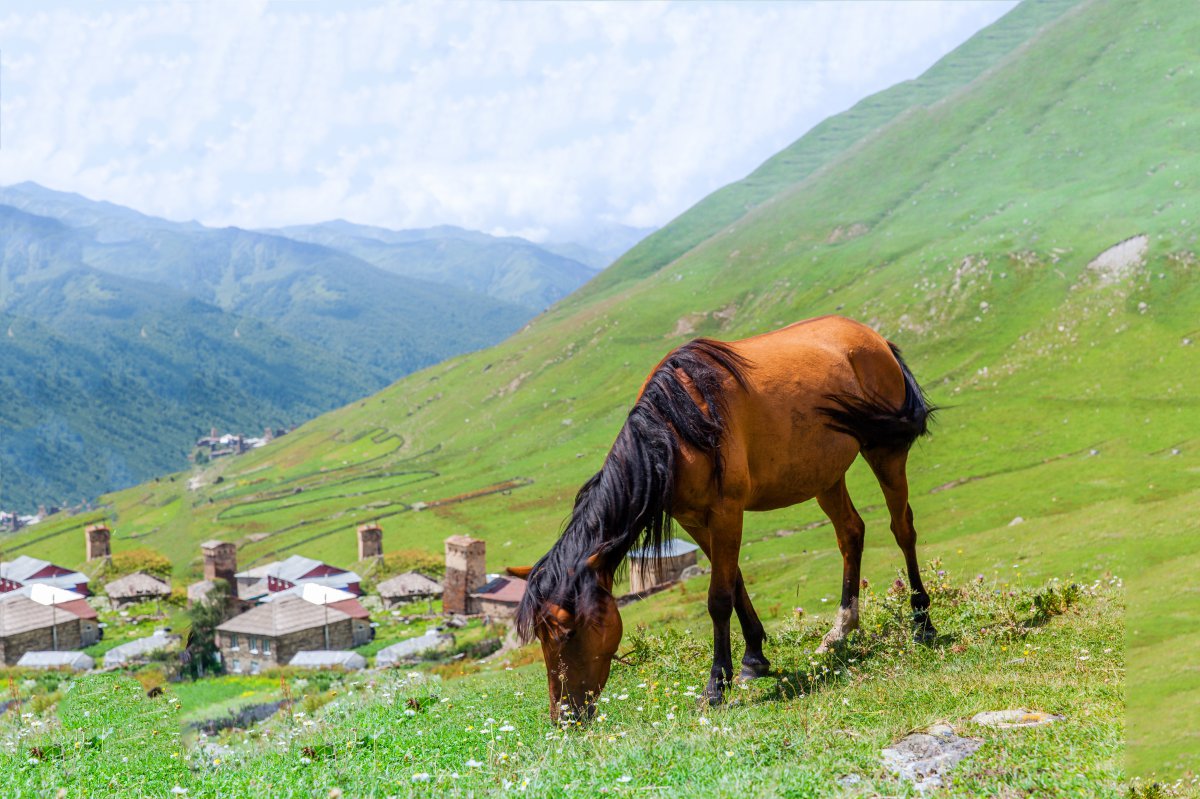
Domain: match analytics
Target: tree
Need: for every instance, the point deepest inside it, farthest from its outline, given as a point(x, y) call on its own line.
point(201, 653)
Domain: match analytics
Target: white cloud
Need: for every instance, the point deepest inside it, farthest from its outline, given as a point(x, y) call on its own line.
point(531, 117)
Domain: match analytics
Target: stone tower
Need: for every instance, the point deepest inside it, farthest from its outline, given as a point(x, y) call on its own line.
point(96, 537)
point(370, 541)
point(220, 561)
point(465, 572)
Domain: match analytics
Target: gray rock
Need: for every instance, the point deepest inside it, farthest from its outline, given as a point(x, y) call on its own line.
point(923, 757)
point(1020, 717)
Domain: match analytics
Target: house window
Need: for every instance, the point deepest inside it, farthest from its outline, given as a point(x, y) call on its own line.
point(253, 645)
point(254, 667)
point(237, 666)
point(266, 646)
point(233, 641)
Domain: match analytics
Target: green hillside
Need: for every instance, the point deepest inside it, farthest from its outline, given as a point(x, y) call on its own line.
point(963, 215)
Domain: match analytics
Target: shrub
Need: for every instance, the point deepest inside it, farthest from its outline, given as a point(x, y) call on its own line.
point(142, 559)
point(405, 560)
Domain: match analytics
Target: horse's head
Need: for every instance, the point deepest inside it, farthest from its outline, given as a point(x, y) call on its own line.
point(578, 645)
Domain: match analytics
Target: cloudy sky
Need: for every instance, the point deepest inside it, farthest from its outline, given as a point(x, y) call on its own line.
point(539, 119)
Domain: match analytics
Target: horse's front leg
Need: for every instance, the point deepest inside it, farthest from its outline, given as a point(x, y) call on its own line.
point(754, 662)
point(723, 595)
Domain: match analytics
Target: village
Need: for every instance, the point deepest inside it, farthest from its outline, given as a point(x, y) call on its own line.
point(298, 613)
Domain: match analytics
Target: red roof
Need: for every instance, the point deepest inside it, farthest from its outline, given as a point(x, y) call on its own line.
point(352, 608)
point(79, 607)
point(503, 589)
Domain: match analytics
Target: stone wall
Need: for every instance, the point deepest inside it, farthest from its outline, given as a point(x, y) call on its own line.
point(42, 639)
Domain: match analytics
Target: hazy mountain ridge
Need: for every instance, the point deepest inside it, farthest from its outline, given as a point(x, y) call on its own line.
point(206, 326)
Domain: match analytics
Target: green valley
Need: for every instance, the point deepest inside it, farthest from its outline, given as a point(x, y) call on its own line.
point(1022, 221)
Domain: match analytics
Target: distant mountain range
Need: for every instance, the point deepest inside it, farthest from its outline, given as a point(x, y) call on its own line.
point(124, 335)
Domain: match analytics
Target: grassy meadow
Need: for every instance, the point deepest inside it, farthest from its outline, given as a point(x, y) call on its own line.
point(962, 215)
point(814, 729)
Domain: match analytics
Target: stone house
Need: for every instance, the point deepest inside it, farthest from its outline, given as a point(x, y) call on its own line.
point(500, 598)
point(407, 587)
point(45, 620)
point(270, 634)
point(136, 587)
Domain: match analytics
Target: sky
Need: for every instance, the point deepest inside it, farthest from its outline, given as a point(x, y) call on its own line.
point(545, 120)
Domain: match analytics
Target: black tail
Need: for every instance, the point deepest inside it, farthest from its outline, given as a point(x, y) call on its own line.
point(874, 423)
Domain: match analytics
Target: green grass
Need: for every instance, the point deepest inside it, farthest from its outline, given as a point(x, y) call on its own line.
point(975, 211)
point(820, 718)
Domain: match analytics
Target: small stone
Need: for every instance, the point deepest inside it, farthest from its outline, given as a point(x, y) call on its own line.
point(847, 780)
point(1005, 719)
point(922, 758)
point(1016, 520)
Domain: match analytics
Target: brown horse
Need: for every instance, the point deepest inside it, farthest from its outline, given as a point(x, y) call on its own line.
point(720, 429)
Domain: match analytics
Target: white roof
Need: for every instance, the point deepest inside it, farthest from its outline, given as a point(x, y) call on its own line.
point(119, 655)
point(410, 648)
point(313, 592)
point(56, 660)
point(671, 549)
point(294, 568)
point(45, 594)
point(328, 658)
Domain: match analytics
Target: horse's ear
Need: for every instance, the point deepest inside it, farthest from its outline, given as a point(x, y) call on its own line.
point(603, 576)
point(519, 571)
point(559, 621)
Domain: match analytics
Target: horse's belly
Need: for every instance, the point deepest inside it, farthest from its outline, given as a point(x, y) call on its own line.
point(775, 501)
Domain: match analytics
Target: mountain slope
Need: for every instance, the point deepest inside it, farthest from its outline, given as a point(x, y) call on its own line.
point(109, 380)
point(979, 232)
point(508, 269)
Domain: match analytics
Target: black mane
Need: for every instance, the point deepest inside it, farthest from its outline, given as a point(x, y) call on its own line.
point(629, 499)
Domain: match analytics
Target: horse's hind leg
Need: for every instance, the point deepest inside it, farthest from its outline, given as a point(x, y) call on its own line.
point(889, 468)
point(850, 530)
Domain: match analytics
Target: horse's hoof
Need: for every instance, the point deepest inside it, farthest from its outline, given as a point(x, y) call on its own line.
point(827, 645)
point(926, 634)
point(714, 694)
point(752, 671)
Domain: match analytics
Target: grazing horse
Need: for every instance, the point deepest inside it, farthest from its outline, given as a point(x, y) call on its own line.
point(719, 429)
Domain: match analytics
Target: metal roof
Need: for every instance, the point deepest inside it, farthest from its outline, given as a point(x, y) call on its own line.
point(119, 655)
point(288, 615)
point(410, 648)
point(328, 658)
point(502, 589)
point(294, 568)
point(312, 592)
point(21, 570)
point(671, 549)
point(45, 659)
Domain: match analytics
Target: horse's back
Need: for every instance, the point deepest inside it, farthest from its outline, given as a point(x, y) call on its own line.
point(779, 447)
point(811, 359)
